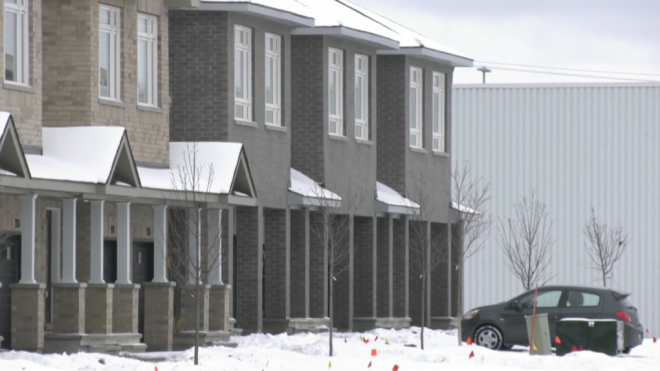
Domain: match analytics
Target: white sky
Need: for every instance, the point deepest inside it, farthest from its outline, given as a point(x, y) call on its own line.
point(608, 35)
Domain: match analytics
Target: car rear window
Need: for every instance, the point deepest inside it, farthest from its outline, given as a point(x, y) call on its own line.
point(626, 302)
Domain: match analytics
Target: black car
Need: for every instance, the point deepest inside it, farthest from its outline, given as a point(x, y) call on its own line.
point(503, 325)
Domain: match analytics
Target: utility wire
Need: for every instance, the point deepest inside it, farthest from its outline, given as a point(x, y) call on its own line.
point(571, 69)
point(573, 75)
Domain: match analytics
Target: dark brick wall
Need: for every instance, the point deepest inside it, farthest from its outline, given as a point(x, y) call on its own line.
point(456, 273)
point(275, 263)
point(363, 271)
point(399, 271)
point(225, 238)
point(439, 292)
point(317, 275)
point(415, 283)
point(383, 269)
point(340, 300)
point(247, 283)
point(308, 102)
point(199, 71)
point(392, 139)
point(297, 264)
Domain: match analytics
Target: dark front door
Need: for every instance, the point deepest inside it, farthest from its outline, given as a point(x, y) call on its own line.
point(548, 301)
point(234, 288)
point(49, 261)
point(10, 271)
point(110, 261)
point(143, 271)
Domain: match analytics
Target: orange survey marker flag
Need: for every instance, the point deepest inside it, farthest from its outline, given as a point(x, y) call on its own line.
point(156, 368)
point(655, 340)
point(471, 354)
point(345, 340)
point(557, 341)
point(581, 347)
point(574, 349)
point(374, 352)
point(647, 331)
point(369, 366)
point(395, 368)
point(469, 341)
point(376, 339)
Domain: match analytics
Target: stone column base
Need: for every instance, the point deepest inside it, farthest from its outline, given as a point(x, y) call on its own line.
point(159, 315)
point(98, 308)
point(219, 307)
point(125, 308)
point(69, 308)
point(188, 317)
point(27, 317)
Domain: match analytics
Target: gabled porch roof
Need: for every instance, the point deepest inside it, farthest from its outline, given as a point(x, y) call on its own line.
point(389, 201)
point(305, 192)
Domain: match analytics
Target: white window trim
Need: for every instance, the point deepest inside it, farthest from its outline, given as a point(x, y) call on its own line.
point(339, 70)
point(115, 45)
point(439, 89)
point(22, 42)
point(276, 55)
point(417, 129)
point(364, 122)
point(246, 103)
point(152, 59)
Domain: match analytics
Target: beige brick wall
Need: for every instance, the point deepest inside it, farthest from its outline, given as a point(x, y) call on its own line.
point(27, 319)
point(68, 310)
point(188, 316)
point(25, 104)
point(125, 309)
point(98, 310)
point(159, 324)
point(219, 308)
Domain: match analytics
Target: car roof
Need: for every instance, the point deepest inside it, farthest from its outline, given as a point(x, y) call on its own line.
point(575, 287)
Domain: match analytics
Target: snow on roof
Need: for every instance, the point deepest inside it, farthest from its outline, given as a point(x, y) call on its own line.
point(463, 209)
point(221, 157)
point(307, 187)
point(46, 167)
point(389, 196)
point(4, 118)
point(291, 6)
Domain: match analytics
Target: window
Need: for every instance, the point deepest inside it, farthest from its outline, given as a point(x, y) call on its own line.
point(243, 73)
point(273, 79)
point(109, 52)
point(439, 112)
point(546, 299)
point(147, 60)
point(582, 299)
point(416, 86)
point(361, 97)
point(16, 41)
point(336, 91)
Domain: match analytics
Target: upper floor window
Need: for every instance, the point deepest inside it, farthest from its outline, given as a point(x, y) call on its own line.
point(273, 79)
point(438, 112)
point(16, 41)
point(416, 87)
point(336, 91)
point(109, 52)
point(243, 73)
point(361, 97)
point(147, 60)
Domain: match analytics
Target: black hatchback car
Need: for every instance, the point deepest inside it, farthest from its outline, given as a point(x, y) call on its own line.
point(503, 325)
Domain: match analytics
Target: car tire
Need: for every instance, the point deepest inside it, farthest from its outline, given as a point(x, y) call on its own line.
point(489, 337)
point(627, 350)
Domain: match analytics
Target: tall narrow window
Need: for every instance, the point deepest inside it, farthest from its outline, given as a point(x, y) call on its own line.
point(147, 60)
point(416, 121)
point(273, 79)
point(361, 97)
point(243, 73)
point(336, 91)
point(109, 52)
point(438, 112)
point(16, 41)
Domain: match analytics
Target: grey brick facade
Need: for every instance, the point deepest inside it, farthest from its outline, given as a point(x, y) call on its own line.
point(364, 284)
point(275, 263)
point(318, 300)
point(248, 283)
point(383, 268)
point(298, 309)
point(400, 271)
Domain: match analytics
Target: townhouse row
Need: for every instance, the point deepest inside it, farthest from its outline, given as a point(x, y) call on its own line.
point(298, 107)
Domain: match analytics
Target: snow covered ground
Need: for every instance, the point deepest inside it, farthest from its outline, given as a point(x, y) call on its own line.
point(308, 352)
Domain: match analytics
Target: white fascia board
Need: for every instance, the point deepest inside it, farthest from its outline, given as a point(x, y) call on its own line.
point(376, 41)
point(432, 55)
point(277, 15)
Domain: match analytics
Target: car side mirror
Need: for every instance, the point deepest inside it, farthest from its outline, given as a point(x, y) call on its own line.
point(515, 305)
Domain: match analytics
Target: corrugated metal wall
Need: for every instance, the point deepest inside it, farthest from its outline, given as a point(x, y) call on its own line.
point(578, 146)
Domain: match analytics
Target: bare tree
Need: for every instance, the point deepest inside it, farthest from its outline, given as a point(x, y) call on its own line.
point(470, 196)
point(527, 242)
point(190, 254)
point(333, 230)
point(605, 246)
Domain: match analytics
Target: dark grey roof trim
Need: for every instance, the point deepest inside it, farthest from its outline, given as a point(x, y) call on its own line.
point(298, 200)
point(259, 10)
point(374, 40)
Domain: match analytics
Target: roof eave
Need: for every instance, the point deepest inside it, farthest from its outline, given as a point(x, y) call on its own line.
point(432, 55)
point(385, 208)
point(277, 15)
point(376, 41)
point(299, 200)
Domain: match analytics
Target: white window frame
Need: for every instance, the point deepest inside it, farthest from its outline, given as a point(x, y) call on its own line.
point(336, 120)
point(416, 128)
point(151, 38)
point(245, 47)
point(274, 55)
point(362, 123)
point(439, 104)
point(21, 9)
point(114, 72)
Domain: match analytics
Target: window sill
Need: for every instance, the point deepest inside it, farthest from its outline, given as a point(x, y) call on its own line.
point(441, 154)
point(246, 123)
point(276, 128)
point(112, 102)
point(338, 137)
point(418, 150)
point(363, 141)
point(154, 109)
point(18, 87)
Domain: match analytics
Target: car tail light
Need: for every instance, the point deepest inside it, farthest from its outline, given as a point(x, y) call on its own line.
point(624, 316)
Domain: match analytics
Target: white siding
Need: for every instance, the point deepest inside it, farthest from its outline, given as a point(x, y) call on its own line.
point(577, 145)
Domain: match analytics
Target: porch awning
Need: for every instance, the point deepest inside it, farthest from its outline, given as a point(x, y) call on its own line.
point(389, 201)
point(305, 192)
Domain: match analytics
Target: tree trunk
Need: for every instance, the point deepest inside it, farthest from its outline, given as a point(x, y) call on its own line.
point(331, 307)
point(197, 319)
point(459, 307)
point(421, 334)
point(604, 279)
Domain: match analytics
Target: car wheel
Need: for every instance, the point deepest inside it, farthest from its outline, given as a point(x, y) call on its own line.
point(627, 350)
point(489, 337)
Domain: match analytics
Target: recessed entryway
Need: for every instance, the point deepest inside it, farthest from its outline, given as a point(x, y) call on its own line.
point(10, 272)
point(143, 271)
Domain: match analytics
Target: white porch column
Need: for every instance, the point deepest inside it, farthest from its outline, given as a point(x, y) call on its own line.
point(160, 243)
point(194, 243)
point(96, 242)
point(215, 246)
point(124, 243)
point(28, 222)
point(69, 240)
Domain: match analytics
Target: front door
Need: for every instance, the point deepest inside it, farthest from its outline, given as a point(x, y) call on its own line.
point(109, 261)
point(10, 272)
point(548, 301)
point(143, 271)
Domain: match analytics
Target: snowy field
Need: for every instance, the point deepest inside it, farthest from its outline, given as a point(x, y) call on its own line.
point(308, 352)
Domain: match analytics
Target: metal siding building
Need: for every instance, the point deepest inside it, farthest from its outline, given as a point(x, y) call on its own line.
point(577, 145)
